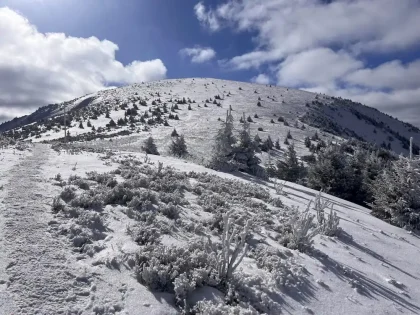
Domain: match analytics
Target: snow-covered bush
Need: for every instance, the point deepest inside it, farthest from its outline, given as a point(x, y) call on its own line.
point(87, 200)
point(327, 223)
point(396, 194)
point(330, 226)
point(284, 269)
point(211, 308)
point(157, 266)
point(210, 202)
point(276, 202)
point(300, 230)
point(254, 291)
point(144, 233)
point(57, 205)
point(106, 179)
point(227, 262)
point(68, 193)
point(79, 182)
point(170, 210)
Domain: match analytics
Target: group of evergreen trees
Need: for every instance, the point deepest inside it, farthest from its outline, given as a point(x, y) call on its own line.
point(178, 147)
point(232, 152)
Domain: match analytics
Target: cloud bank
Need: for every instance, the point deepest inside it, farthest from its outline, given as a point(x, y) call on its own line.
point(329, 46)
point(37, 69)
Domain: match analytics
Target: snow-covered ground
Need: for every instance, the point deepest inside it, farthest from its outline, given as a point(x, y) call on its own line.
point(370, 268)
point(199, 125)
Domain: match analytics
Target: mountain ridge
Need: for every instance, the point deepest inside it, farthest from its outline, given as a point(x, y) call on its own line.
point(331, 115)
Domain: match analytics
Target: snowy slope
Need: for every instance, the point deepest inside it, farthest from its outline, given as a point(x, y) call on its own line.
point(370, 268)
point(334, 116)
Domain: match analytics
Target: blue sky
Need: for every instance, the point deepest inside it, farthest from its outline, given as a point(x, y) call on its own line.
point(57, 50)
point(143, 30)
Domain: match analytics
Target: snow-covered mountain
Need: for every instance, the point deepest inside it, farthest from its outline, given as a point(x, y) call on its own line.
point(273, 111)
point(97, 226)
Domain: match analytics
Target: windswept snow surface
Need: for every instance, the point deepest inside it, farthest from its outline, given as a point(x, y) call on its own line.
point(371, 268)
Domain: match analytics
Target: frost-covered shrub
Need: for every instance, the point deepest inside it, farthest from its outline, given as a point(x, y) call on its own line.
point(68, 193)
point(57, 205)
point(92, 220)
point(170, 210)
point(158, 266)
point(79, 182)
point(327, 223)
point(119, 195)
point(330, 226)
point(285, 271)
point(276, 202)
point(255, 292)
point(87, 200)
point(176, 198)
point(227, 262)
point(106, 179)
point(211, 308)
point(211, 202)
point(300, 230)
point(144, 233)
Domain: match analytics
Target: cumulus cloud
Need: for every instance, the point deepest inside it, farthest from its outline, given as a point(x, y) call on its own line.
point(315, 67)
point(37, 69)
point(198, 54)
point(392, 75)
point(207, 18)
point(325, 46)
point(261, 79)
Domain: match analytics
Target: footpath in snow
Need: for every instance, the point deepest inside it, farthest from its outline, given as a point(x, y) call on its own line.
point(39, 279)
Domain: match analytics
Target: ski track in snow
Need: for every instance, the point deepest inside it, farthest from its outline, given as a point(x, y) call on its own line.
point(39, 277)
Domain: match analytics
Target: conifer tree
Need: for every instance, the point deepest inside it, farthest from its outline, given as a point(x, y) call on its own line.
point(149, 146)
point(178, 147)
point(290, 169)
point(223, 147)
point(244, 150)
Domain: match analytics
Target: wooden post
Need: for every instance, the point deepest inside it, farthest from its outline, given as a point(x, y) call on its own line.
point(411, 148)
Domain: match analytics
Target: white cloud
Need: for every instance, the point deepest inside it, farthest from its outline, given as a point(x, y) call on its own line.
point(325, 46)
point(316, 67)
point(206, 18)
point(287, 27)
point(393, 74)
point(261, 79)
point(198, 54)
point(37, 68)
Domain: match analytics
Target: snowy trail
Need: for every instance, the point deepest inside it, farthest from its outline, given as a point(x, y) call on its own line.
point(39, 277)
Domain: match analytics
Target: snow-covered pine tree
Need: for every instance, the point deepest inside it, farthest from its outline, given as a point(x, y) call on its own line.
point(178, 147)
point(396, 194)
point(244, 152)
point(223, 146)
point(290, 169)
point(150, 147)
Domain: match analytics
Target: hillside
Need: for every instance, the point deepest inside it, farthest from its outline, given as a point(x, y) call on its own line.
point(280, 110)
point(89, 251)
